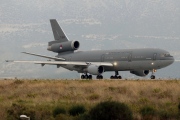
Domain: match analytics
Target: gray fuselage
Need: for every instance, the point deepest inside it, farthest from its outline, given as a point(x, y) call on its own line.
point(123, 60)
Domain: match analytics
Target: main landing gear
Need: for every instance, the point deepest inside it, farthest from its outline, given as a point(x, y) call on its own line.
point(117, 76)
point(99, 77)
point(153, 76)
point(86, 76)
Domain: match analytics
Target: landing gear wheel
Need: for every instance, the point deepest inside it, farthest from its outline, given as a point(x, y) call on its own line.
point(99, 77)
point(82, 76)
point(90, 77)
point(153, 77)
point(112, 77)
point(116, 77)
point(86, 77)
point(119, 77)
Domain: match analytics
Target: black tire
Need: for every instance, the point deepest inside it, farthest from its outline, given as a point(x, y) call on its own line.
point(86, 77)
point(153, 77)
point(115, 77)
point(90, 77)
point(119, 77)
point(82, 77)
point(112, 77)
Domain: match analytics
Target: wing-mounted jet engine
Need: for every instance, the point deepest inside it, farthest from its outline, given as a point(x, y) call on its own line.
point(94, 69)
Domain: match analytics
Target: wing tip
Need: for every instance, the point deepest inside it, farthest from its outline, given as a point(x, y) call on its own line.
point(9, 60)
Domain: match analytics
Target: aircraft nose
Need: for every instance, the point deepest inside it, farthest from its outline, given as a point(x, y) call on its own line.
point(171, 60)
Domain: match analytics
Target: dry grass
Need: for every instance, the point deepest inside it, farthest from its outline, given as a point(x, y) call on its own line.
point(161, 94)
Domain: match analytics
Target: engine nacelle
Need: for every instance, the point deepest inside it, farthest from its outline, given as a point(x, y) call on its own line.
point(141, 73)
point(95, 70)
point(63, 46)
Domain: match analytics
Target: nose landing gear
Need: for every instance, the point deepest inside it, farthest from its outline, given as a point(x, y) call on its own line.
point(153, 76)
point(117, 76)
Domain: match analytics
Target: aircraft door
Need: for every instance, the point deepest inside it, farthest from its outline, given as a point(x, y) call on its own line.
point(102, 58)
point(69, 58)
point(154, 56)
point(129, 60)
point(107, 57)
point(130, 57)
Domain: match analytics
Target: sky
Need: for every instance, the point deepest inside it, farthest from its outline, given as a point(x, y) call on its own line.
point(102, 24)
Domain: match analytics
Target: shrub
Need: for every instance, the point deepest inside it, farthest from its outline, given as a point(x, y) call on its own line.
point(165, 115)
point(77, 110)
point(111, 110)
point(179, 109)
point(94, 97)
point(16, 110)
point(58, 111)
point(157, 90)
point(18, 82)
point(147, 112)
point(83, 117)
point(63, 117)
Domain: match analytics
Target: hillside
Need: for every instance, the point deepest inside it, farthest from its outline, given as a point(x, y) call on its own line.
point(42, 96)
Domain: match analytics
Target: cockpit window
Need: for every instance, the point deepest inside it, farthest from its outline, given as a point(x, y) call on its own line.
point(165, 55)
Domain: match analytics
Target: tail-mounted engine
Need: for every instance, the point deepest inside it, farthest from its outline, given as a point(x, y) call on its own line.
point(58, 47)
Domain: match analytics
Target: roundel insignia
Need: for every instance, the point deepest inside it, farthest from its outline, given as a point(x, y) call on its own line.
point(61, 46)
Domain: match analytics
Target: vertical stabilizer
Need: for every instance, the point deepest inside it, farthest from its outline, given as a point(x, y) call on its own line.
point(57, 31)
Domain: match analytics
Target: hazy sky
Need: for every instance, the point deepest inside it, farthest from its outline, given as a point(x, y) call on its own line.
point(102, 24)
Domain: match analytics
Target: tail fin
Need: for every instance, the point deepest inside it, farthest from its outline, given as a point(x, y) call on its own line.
point(57, 31)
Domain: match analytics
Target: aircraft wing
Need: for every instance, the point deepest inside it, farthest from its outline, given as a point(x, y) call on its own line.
point(64, 63)
point(44, 56)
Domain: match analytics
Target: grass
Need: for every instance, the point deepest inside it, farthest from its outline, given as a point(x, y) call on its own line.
point(162, 95)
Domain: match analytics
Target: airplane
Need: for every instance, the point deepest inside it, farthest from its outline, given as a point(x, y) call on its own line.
point(138, 61)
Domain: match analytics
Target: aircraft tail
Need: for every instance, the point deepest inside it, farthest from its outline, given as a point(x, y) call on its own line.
point(58, 33)
point(61, 43)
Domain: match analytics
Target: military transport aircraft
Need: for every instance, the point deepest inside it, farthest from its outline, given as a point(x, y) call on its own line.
point(138, 61)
